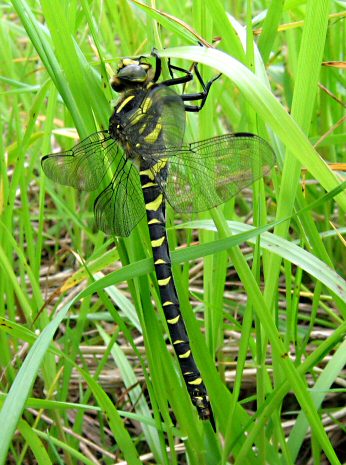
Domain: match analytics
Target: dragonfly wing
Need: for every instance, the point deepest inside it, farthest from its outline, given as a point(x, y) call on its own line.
point(120, 206)
point(205, 174)
point(85, 165)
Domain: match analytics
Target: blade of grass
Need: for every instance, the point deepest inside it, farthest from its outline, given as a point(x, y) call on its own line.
point(268, 108)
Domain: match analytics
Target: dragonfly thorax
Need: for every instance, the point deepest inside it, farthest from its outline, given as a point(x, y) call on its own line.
point(120, 124)
point(116, 131)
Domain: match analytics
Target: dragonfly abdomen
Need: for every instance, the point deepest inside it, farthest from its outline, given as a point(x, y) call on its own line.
point(155, 210)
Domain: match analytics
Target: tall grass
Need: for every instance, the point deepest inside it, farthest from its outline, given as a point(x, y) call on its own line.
point(86, 374)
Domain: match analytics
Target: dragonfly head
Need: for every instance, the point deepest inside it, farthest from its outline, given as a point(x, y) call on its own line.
point(130, 74)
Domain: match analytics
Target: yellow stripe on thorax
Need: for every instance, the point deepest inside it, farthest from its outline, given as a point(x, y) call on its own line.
point(154, 134)
point(146, 104)
point(142, 128)
point(124, 103)
point(136, 117)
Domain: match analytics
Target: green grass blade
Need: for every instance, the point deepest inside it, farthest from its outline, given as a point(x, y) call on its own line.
point(268, 108)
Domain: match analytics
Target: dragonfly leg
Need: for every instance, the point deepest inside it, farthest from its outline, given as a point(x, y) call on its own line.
point(188, 76)
point(199, 95)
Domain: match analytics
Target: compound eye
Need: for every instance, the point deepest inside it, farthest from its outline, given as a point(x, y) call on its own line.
point(132, 73)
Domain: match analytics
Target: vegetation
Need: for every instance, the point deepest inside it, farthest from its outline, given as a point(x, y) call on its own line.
point(87, 372)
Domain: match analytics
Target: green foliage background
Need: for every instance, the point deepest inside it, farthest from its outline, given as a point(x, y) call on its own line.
point(282, 317)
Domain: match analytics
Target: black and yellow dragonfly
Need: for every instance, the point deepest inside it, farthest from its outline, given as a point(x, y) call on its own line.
point(141, 162)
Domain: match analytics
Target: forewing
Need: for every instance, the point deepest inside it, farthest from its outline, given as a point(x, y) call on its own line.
point(120, 206)
point(158, 124)
point(205, 174)
point(85, 165)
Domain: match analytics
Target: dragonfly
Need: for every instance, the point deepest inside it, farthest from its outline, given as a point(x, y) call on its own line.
point(141, 163)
